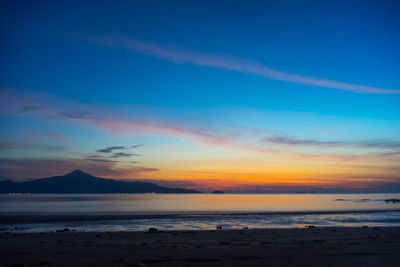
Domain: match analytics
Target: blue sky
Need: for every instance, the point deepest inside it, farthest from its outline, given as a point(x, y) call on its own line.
point(193, 71)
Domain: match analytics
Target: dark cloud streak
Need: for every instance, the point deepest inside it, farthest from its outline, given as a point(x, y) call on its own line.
point(112, 148)
point(124, 155)
point(382, 144)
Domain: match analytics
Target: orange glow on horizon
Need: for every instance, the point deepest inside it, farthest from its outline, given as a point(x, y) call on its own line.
point(225, 179)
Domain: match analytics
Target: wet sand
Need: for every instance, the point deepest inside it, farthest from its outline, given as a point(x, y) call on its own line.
point(261, 247)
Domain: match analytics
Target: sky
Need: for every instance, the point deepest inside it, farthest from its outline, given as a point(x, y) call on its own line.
point(243, 96)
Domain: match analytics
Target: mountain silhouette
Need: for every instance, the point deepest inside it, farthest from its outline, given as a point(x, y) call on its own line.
point(79, 182)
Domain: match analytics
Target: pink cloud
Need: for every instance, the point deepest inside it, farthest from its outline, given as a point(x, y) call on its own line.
point(182, 56)
point(148, 127)
point(106, 120)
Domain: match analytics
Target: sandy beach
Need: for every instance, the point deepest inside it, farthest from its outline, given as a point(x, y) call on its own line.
point(273, 247)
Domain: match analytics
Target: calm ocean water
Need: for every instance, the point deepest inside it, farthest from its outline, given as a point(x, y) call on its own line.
point(203, 211)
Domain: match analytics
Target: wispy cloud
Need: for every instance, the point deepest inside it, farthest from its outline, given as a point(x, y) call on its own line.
point(108, 154)
point(182, 56)
point(235, 140)
point(372, 157)
point(4, 145)
point(382, 144)
point(112, 148)
point(55, 136)
point(80, 115)
point(156, 128)
point(123, 155)
point(28, 109)
point(104, 119)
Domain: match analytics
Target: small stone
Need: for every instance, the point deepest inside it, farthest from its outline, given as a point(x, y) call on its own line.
point(63, 230)
point(152, 230)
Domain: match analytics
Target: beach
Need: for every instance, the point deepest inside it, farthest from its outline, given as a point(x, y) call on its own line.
point(308, 246)
point(200, 230)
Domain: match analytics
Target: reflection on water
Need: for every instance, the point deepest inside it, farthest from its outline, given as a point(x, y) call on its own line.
point(204, 211)
point(191, 203)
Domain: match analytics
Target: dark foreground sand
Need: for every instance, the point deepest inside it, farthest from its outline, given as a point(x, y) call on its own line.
point(268, 247)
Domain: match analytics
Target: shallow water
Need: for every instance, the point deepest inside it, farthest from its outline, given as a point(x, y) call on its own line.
point(210, 222)
point(191, 203)
point(204, 211)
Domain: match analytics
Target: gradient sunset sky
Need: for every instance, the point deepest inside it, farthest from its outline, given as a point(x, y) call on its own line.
point(233, 95)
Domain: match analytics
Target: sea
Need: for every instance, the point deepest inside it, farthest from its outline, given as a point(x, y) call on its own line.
point(139, 212)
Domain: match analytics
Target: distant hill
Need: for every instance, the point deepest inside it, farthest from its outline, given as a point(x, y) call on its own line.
point(79, 182)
